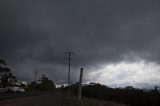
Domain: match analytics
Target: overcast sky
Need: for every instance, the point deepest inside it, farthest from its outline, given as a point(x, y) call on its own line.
point(116, 41)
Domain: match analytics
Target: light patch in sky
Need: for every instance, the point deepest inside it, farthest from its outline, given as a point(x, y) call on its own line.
point(127, 74)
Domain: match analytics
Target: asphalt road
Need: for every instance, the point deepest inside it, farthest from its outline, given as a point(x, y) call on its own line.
point(48, 99)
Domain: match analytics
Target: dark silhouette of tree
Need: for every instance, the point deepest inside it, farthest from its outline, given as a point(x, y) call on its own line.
point(2, 62)
point(5, 75)
point(44, 84)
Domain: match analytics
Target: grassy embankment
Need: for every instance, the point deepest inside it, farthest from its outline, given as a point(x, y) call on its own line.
point(73, 101)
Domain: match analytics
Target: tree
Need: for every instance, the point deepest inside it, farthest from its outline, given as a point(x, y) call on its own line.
point(2, 62)
point(46, 84)
point(5, 74)
point(2, 69)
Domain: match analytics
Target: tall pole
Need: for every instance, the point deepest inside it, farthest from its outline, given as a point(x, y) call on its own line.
point(80, 84)
point(69, 54)
point(36, 72)
point(69, 65)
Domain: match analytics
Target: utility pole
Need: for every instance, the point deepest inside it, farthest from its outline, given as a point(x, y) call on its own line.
point(35, 75)
point(69, 54)
point(80, 84)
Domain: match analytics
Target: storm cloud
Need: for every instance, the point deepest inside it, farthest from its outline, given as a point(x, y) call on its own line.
point(102, 33)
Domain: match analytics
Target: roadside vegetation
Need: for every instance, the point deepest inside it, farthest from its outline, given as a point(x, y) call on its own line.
point(73, 101)
point(43, 84)
point(128, 95)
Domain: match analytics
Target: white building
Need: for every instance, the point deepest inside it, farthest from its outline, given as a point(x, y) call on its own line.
point(15, 89)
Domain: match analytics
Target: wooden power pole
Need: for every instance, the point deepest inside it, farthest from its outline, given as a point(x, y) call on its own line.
point(35, 75)
point(80, 84)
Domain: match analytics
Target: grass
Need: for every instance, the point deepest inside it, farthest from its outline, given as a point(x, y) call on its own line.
point(73, 101)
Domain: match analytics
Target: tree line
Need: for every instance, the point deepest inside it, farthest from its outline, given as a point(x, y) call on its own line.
point(128, 95)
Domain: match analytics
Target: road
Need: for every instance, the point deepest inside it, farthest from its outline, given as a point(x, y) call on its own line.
point(48, 99)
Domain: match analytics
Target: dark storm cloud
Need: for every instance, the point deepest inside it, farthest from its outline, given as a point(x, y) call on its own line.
point(36, 33)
